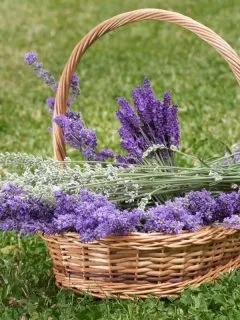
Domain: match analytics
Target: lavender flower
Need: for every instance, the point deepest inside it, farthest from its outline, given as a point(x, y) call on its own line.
point(127, 114)
point(167, 99)
point(131, 143)
point(105, 154)
point(232, 222)
point(12, 189)
point(51, 103)
point(149, 122)
point(94, 217)
point(171, 218)
point(161, 219)
point(141, 104)
point(97, 225)
point(124, 161)
point(64, 222)
point(23, 213)
point(75, 87)
point(98, 218)
point(79, 137)
point(172, 134)
point(76, 135)
point(30, 58)
point(88, 137)
point(227, 204)
point(9, 225)
point(73, 115)
point(90, 154)
point(201, 204)
point(48, 79)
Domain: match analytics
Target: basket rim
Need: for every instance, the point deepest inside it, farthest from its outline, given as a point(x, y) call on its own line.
point(143, 241)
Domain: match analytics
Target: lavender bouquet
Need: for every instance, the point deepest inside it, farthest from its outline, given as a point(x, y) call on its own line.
point(148, 128)
point(143, 189)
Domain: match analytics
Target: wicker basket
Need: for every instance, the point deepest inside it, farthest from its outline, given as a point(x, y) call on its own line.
point(140, 264)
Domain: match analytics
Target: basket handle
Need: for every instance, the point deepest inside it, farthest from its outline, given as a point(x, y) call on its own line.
point(213, 39)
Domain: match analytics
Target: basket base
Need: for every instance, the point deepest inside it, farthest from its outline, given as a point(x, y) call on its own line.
point(139, 265)
point(106, 289)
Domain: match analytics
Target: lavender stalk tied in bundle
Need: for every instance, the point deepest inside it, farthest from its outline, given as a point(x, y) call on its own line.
point(149, 127)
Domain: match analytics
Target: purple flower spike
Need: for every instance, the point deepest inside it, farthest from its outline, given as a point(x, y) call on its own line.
point(127, 114)
point(51, 103)
point(106, 154)
point(55, 87)
point(227, 204)
point(75, 80)
point(89, 154)
point(202, 204)
point(148, 123)
point(149, 90)
point(172, 125)
point(167, 99)
point(30, 58)
point(232, 222)
point(88, 137)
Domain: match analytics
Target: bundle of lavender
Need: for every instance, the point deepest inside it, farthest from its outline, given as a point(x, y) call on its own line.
point(143, 189)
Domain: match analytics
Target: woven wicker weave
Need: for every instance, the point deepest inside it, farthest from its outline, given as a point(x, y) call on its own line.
point(143, 264)
point(140, 264)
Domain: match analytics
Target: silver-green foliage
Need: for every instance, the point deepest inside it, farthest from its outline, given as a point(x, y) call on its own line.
point(43, 177)
point(139, 184)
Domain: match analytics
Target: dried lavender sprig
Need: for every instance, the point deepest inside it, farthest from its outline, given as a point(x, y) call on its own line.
point(31, 59)
point(76, 134)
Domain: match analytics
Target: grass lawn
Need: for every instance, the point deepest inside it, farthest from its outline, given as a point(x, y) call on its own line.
point(174, 59)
